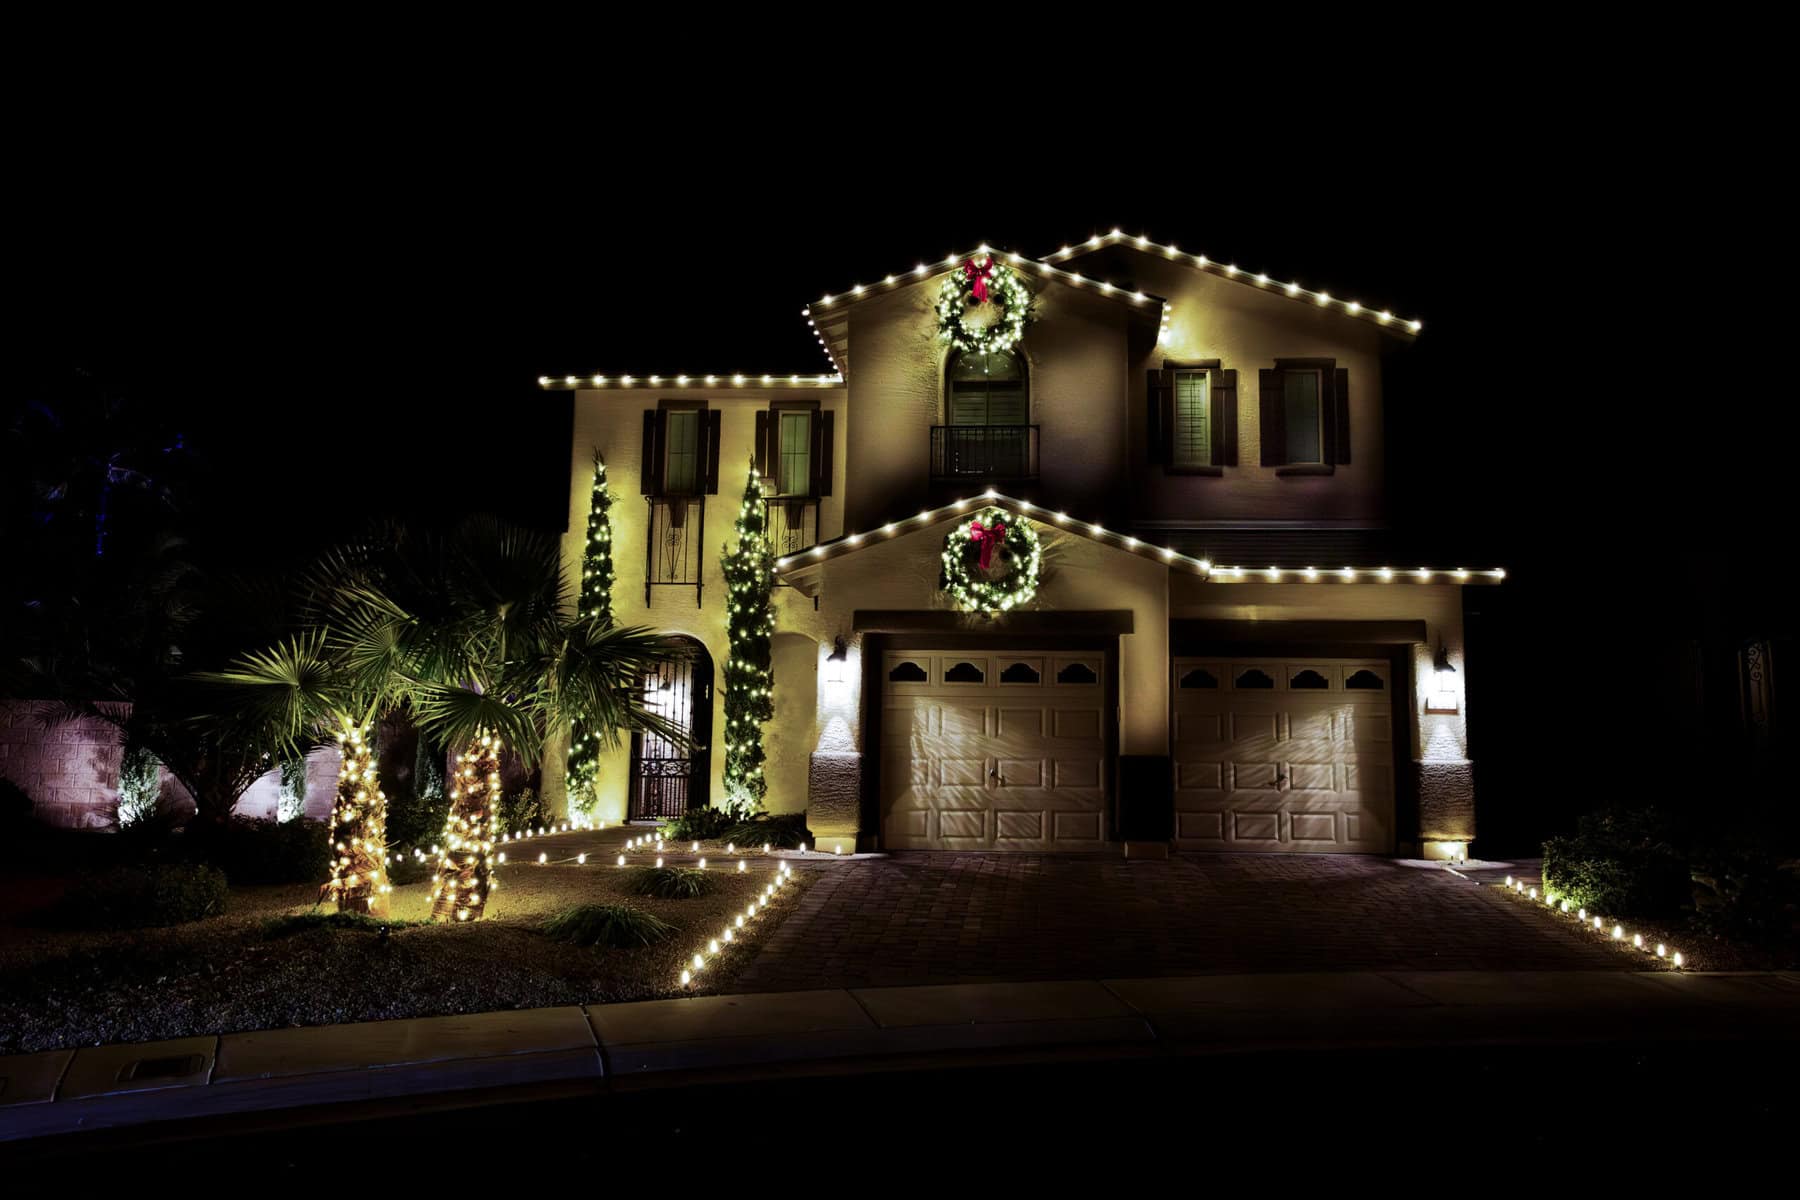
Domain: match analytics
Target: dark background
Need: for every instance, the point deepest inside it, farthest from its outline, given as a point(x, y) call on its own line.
point(348, 320)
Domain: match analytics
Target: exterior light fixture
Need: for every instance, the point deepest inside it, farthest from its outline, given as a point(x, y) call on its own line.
point(834, 662)
point(1443, 695)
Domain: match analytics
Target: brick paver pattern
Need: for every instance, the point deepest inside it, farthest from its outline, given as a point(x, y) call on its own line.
point(923, 918)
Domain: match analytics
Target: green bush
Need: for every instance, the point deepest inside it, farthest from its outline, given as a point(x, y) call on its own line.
point(15, 805)
point(419, 808)
point(1623, 862)
point(699, 825)
point(1749, 893)
point(619, 926)
point(262, 851)
point(672, 883)
point(523, 810)
point(786, 832)
point(144, 897)
point(140, 786)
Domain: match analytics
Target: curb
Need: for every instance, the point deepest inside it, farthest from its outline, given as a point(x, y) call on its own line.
point(675, 1043)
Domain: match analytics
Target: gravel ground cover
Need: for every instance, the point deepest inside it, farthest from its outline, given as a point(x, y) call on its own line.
point(226, 974)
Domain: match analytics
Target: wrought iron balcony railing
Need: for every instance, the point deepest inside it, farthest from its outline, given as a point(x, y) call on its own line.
point(793, 523)
point(677, 539)
point(984, 452)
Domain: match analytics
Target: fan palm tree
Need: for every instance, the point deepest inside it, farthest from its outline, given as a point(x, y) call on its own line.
point(472, 631)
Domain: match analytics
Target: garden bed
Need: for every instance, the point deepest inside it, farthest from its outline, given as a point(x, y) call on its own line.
point(245, 971)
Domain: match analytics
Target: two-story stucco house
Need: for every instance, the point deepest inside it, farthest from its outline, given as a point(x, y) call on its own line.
point(1225, 649)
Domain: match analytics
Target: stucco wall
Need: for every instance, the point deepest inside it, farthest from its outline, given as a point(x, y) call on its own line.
point(1247, 330)
point(613, 421)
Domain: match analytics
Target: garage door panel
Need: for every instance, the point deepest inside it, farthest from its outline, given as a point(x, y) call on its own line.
point(993, 752)
point(1308, 760)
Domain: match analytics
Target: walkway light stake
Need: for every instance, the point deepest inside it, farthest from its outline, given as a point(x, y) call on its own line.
point(1558, 906)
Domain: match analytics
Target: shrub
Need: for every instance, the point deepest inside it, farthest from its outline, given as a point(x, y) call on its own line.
point(290, 803)
point(619, 926)
point(15, 805)
point(140, 786)
point(699, 825)
point(419, 808)
point(672, 883)
point(1749, 893)
point(279, 927)
point(786, 831)
point(522, 810)
point(144, 897)
point(263, 851)
point(1622, 862)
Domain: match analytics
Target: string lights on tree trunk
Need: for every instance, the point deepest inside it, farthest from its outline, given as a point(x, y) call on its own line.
point(465, 869)
point(359, 882)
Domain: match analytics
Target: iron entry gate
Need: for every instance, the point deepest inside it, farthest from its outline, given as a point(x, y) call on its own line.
point(668, 778)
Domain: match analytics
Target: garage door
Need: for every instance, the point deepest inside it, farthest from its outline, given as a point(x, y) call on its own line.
point(992, 752)
point(1286, 755)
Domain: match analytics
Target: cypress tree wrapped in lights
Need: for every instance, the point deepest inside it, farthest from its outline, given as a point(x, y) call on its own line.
point(749, 673)
point(465, 868)
point(359, 881)
point(596, 601)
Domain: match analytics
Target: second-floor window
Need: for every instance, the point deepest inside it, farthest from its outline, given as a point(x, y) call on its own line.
point(681, 453)
point(1193, 420)
point(1300, 404)
point(987, 389)
point(1305, 417)
point(793, 462)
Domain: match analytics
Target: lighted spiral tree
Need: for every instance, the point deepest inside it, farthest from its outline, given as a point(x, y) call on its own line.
point(596, 602)
point(749, 673)
point(359, 882)
point(464, 879)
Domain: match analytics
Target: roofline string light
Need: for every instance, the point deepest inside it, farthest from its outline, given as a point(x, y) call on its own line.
point(1261, 280)
point(1133, 545)
point(1613, 931)
point(554, 383)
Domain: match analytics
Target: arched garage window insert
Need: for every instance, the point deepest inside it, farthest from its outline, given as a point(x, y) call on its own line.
point(987, 432)
point(1365, 680)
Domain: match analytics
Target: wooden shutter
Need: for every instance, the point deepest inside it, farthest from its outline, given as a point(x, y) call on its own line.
point(1224, 419)
point(1159, 416)
point(1274, 417)
point(761, 448)
point(650, 470)
point(1341, 401)
point(821, 453)
point(709, 434)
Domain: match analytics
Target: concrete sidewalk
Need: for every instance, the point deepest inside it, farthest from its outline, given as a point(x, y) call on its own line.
point(533, 1053)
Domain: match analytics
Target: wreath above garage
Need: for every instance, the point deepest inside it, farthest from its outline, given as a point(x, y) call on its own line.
point(984, 307)
point(992, 562)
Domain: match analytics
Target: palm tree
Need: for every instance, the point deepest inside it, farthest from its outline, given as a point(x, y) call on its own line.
point(293, 696)
point(472, 630)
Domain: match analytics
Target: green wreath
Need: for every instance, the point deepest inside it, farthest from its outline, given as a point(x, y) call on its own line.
point(984, 282)
point(1013, 559)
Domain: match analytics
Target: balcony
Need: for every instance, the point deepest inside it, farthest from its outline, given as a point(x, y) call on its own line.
point(983, 453)
point(792, 523)
point(672, 553)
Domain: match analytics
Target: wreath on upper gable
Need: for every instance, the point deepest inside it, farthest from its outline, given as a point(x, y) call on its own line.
point(992, 562)
point(984, 307)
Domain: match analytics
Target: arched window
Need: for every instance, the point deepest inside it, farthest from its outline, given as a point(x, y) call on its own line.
point(987, 389)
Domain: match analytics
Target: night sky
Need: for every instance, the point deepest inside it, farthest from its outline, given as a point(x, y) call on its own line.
point(351, 328)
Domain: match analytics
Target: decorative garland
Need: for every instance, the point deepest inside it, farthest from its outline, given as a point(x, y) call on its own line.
point(596, 601)
point(984, 282)
point(992, 562)
point(749, 672)
point(464, 879)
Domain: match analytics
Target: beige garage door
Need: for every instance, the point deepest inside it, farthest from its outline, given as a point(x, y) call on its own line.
point(992, 751)
point(1286, 755)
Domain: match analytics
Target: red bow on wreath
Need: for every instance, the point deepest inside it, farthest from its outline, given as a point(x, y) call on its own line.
point(980, 275)
point(987, 538)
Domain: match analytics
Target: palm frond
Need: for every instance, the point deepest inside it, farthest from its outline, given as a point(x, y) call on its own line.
point(283, 693)
point(456, 715)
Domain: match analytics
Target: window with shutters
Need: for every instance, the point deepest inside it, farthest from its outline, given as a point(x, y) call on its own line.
point(681, 452)
point(793, 453)
point(987, 389)
point(1300, 410)
point(1193, 419)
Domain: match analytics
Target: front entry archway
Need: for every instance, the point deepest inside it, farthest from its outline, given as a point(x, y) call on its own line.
point(667, 778)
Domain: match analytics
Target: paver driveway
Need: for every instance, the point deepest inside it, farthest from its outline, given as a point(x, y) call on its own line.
point(919, 918)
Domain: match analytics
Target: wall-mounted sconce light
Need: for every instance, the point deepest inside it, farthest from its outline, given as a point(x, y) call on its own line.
point(834, 662)
point(1443, 696)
